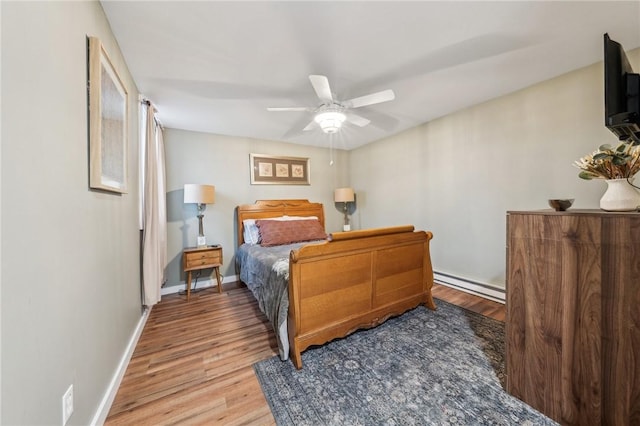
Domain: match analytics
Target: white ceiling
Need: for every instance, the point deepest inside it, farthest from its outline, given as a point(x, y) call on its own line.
point(215, 66)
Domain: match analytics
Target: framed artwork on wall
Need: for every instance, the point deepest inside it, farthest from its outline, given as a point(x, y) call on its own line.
point(272, 170)
point(108, 127)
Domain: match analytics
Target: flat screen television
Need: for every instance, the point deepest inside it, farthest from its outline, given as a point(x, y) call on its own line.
point(621, 93)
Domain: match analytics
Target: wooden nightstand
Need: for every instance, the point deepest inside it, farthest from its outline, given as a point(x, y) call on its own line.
point(195, 259)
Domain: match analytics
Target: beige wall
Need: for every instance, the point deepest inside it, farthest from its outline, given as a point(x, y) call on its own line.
point(70, 268)
point(223, 161)
point(458, 175)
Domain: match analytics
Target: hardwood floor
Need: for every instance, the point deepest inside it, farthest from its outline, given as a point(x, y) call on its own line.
point(193, 362)
point(483, 306)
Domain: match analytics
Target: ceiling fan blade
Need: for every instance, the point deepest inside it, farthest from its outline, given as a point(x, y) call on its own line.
point(295, 130)
point(310, 126)
point(373, 98)
point(357, 120)
point(288, 109)
point(320, 84)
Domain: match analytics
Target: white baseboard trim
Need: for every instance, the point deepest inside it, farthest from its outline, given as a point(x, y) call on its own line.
point(105, 405)
point(488, 291)
point(209, 282)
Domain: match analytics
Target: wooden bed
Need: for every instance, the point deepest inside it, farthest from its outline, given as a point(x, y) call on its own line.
point(355, 280)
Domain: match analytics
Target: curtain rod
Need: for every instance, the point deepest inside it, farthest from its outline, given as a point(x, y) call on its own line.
point(147, 102)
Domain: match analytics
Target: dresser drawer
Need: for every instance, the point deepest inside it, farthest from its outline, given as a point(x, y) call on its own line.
point(202, 258)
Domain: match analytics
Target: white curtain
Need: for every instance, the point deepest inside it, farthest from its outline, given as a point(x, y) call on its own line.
point(154, 234)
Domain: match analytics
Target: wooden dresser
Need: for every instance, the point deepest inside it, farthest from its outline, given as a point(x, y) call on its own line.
point(573, 314)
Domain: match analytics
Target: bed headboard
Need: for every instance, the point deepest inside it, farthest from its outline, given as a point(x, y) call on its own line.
point(263, 209)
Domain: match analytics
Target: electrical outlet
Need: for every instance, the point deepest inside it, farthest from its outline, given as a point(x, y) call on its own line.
point(67, 405)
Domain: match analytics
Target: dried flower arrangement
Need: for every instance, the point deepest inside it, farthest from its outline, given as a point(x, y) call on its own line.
point(621, 162)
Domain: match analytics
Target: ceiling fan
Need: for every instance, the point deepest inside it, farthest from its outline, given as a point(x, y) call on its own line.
point(331, 114)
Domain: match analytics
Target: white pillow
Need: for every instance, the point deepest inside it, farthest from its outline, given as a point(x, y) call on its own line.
point(251, 234)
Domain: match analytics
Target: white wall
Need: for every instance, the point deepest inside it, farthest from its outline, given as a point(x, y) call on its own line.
point(223, 161)
point(458, 175)
point(70, 263)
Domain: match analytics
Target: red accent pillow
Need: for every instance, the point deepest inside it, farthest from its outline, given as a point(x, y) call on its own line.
point(276, 232)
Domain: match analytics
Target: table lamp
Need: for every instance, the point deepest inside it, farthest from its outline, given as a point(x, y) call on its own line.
point(200, 195)
point(345, 196)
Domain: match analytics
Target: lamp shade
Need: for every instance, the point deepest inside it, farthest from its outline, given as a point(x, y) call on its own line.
point(199, 194)
point(343, 195)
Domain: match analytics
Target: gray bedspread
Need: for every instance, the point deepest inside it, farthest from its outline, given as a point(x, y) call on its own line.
point(265, 271)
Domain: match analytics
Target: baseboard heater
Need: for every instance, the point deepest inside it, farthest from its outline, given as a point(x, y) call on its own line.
point(488, 291)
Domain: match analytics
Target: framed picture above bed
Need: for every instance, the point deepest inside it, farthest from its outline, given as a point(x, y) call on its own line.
point(272, 170)
point(108, 127)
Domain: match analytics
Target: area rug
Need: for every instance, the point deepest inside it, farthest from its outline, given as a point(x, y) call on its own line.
point(424, 367)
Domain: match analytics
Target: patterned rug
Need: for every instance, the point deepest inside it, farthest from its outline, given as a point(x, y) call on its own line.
point(443, 367)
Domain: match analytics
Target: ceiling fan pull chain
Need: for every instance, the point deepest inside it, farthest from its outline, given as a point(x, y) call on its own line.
point(331, 149)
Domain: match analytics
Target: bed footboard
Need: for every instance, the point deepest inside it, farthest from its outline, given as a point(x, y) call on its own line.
point(356, 280)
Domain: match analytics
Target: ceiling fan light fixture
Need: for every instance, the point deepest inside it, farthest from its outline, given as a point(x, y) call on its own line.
point(330, 114)
point(330, 121)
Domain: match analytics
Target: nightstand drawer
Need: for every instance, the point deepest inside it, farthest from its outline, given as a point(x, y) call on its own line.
point(202, 258)
point(193, 263)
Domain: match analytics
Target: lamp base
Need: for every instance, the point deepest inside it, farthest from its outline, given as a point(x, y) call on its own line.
point(202, 241)
point(346, 228)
